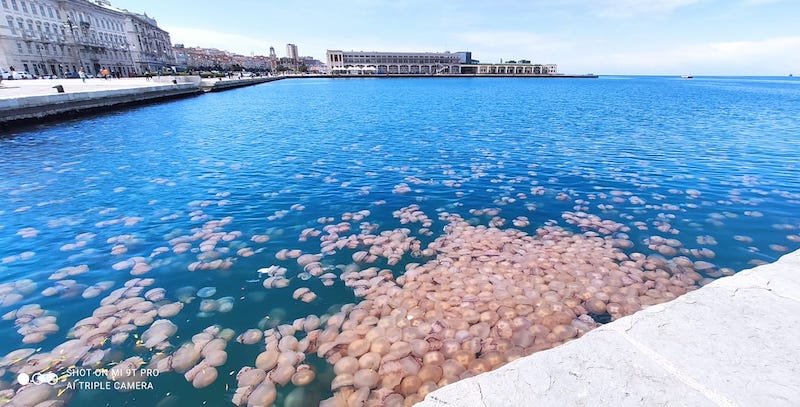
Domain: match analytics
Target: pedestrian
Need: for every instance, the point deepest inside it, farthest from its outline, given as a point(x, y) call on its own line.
point(147, 75)
point(82, 75)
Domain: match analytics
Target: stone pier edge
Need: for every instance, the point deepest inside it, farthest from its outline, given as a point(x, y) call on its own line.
point(734, 342)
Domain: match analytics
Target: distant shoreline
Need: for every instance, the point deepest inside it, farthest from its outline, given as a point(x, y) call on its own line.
point(445, 76)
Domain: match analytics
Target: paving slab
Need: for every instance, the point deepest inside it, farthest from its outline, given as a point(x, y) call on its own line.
point(608, 373)
point(734, 342)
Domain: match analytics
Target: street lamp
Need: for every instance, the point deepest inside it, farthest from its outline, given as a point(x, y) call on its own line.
point(72, 27)
point(39, 47)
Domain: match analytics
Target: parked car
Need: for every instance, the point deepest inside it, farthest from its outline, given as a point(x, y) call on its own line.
point(5, 74)
point(21, 75)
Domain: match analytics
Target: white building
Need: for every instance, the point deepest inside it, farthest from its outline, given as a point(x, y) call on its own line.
point(56, 37)
point(512, 68)
point(152, 49)
point(350, 62)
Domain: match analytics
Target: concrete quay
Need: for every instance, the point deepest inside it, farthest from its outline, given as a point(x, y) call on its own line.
point(33, 100)
point(734, 342)
point(219, 84)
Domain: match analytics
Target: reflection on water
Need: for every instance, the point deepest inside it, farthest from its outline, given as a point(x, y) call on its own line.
point(209, 248)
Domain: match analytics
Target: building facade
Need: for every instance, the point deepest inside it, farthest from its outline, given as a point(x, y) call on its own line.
point(211, 59)
point(61, 37)
point(151, 48)
point(291, 52)
point(425, 63)
point(512, 68)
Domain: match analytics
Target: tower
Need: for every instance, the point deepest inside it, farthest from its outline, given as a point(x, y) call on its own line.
point(273, 59)
point(291, 52)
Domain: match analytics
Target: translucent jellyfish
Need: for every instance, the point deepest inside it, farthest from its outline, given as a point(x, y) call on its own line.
point(206, 292)
point(225, 304)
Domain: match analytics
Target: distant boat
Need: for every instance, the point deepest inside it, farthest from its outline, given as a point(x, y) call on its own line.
point(687, 76)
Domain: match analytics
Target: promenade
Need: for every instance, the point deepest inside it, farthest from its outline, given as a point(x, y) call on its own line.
point(734, 342)
point(32, 100)
point(10, 89)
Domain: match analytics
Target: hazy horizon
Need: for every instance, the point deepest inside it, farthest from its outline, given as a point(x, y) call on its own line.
point(608, 37)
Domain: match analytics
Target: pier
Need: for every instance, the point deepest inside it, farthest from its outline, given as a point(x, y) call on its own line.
point(34, 100)
point(732, 342)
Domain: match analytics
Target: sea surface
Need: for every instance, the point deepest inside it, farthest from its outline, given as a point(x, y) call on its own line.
point(711, 162)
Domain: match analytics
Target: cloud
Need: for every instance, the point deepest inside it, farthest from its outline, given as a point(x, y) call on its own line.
point(197, 37)
point(757, 3)
point(490, 46)
point(771, 56)
point(635, 8)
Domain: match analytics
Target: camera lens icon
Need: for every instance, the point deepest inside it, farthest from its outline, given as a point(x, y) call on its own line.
point(44, 378)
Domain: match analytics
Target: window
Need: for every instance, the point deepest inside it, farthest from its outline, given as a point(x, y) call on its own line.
point(5, 3)
point(24, 6)
point(11, 25)
point(41, 9)
point(33, 9)
point(19, 47)
point(50, 12)
point(14, 5)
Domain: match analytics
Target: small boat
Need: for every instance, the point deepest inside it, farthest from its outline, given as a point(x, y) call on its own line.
point(687, 76)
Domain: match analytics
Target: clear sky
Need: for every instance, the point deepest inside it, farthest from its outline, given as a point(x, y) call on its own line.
point(700, 37)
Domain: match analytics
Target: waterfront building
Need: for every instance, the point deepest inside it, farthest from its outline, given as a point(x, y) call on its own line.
point(349, 62)
point(312, 64)
point(181, 57)
point(152, 48)
point(55, 37)
point(425, 63)
point(59, 37)
point(522, 67)
point(208, 59)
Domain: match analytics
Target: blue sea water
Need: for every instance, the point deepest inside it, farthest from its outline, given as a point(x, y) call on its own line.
point(716, 157)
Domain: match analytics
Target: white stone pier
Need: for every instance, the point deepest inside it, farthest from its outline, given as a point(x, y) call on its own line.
point(734, 342)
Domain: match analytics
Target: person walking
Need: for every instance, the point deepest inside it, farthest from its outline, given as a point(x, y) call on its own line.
point(82, 75)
